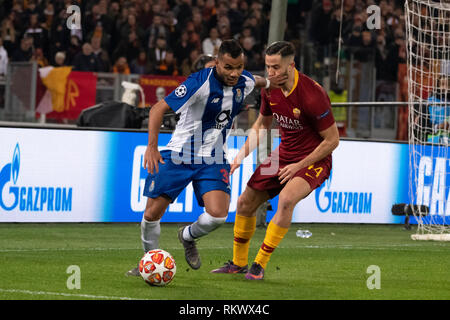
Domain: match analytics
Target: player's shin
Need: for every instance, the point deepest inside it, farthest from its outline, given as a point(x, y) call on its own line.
point(274, 235)
point(150, 232)
point(244, 228)
point(205, 224)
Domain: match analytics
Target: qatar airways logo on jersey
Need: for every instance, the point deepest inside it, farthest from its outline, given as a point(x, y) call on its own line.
point(31, 197)
point(287, 122)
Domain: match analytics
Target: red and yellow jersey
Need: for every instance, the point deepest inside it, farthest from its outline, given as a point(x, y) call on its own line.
point(301, 115)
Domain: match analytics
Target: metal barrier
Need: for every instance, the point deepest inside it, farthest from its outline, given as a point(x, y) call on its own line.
point(368, 120)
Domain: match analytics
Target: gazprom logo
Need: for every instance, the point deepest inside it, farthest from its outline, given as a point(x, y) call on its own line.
point(342, 202)
point(30, 198)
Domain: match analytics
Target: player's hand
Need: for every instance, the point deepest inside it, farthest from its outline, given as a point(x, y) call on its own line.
point(287, 173)
point(278, 81)
point(233, 167)
point(152, 158)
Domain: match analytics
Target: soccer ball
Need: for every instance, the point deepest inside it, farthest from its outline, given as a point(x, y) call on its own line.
point(157, 267)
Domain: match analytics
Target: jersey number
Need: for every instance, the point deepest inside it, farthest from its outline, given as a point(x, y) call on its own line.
point(225, 175)
point(317, 170)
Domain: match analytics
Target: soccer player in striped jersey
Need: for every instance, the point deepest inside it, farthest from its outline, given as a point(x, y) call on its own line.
point(300, 164)
point(207, 103)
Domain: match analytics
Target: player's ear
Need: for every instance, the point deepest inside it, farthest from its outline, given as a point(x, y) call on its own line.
point(292, 64)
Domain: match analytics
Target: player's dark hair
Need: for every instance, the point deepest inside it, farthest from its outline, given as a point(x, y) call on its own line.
point(231, 47)
point(283, 48)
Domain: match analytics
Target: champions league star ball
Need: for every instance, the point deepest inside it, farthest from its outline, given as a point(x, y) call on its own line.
point(157, 267)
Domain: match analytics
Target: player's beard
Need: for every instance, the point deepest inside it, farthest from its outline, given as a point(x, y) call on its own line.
point(226, 80)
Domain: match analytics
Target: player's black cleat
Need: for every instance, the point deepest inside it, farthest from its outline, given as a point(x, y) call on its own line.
point(190, 251)
point(230, 267)
point(256, 272)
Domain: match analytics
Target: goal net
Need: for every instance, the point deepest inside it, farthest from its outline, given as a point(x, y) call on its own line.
point(428, 59)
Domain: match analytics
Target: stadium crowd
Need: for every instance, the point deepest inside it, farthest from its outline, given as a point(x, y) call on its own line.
point(165, 37)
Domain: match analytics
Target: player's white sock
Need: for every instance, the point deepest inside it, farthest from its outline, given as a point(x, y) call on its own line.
point(204, 225)
point(150, 232)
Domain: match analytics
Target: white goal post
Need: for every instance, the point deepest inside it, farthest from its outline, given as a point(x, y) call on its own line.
point(428, 60)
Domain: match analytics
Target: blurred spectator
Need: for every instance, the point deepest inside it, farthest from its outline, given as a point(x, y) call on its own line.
point(172, 26)
point(182, 47)
point(198, 25)
point(40, 59)
point(141, 65)
point(321, 18)
point(145, 15)
point(158, 53)
point(86, 60)
point(3, 59)
point(187, 66)
point(211, 44)
point(253, 60)
point(183, 11)
point(49, 13)
point(386, 60)
point(194, 37)
point(37, 32)
point(223, 26)
point(30, 9)
point(25, 51)
point(73, 50)
point(128, 47)
point(95, 16)
point(121, 66)
point(8, 35)
point(156, 30)
point(167, 66)
point(236, 17)
point(101, 54)
point(60, 59)
point(208, 13)
point(105, 39)
point(366, 51)
point(355, 38)
point(131, 26)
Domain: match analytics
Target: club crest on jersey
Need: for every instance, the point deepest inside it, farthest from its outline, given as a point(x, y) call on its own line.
point(238, 97)
point(181, 91)
point(296, 112)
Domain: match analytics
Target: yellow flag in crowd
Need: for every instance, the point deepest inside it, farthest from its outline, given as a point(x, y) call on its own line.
point(56, 81)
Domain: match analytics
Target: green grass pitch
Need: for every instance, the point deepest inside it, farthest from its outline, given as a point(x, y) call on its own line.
point(333, 264)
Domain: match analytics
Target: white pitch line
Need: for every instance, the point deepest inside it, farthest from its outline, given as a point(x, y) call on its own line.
point(305, 246)
point(89, 296)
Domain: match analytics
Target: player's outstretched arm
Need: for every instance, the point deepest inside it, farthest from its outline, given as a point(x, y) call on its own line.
point(152, 156)
point(254, 137)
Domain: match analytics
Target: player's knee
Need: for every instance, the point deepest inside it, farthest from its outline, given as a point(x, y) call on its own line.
point(152, 215)
point(217, 212)
point(244, 206)
point(285, 203)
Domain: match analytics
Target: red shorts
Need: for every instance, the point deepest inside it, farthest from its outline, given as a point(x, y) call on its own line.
point(265, 177)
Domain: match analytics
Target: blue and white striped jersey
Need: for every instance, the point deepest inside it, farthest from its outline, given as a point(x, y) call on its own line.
point(207, 109)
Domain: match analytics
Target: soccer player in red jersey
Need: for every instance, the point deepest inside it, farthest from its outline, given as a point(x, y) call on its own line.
point(300, 164)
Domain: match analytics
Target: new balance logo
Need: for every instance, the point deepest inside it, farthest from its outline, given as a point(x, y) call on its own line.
point(215, 100)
